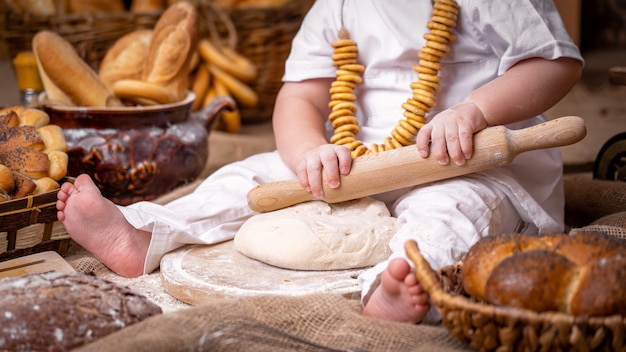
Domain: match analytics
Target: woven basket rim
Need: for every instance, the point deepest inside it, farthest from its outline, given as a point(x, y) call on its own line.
point(31, 202)
point(505, 317)
point(463, 301)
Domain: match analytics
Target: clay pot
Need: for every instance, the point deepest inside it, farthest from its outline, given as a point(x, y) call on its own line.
point(138, 153)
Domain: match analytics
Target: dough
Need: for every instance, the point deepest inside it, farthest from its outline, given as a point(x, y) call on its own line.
point(320, 236)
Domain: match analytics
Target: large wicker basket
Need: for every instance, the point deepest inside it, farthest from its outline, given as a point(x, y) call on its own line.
point(262, 34)
point(29, 225)
point(492, 328)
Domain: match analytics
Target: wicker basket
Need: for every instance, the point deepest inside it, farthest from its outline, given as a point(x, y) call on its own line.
point(262, 34)
point(91, 34)
point(491, 328)
point(29, 225)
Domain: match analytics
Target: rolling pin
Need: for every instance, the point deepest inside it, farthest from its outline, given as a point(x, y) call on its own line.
point(404, 167)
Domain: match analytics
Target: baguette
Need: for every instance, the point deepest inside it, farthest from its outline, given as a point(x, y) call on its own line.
point(66, 77)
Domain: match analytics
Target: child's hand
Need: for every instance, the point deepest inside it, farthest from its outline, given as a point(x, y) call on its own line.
point(328, 160)
point(449, 134)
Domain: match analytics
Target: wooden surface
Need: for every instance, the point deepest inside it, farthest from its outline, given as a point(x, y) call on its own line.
point(199, 274)
point(34, 263)
point(404, 167)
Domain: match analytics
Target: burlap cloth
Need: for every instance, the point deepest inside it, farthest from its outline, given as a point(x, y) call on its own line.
point(595, 205)
point(307, 323)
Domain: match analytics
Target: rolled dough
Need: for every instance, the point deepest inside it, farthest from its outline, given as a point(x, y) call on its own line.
point(320, 236)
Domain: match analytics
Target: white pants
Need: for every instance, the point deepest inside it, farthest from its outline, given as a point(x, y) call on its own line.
point(446, 217)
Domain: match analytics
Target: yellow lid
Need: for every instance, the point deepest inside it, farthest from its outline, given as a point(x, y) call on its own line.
point(26, 70)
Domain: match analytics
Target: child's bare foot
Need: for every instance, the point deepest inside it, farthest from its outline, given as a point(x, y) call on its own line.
point(399, 297)
point(97, 225)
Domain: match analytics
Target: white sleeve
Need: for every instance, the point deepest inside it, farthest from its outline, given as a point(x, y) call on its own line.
point(311, 49)
point(520, 29)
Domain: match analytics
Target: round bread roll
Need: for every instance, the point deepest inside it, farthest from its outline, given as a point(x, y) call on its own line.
point(33, 117)
point(58, 164)
point(53, 138)
point(9, 118)
point(582, 274)
point(45, 184)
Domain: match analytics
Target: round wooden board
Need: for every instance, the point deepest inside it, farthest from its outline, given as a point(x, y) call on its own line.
point(196, 274)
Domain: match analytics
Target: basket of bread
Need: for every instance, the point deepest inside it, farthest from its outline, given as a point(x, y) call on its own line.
point(33, 163)
point(533, 293)
point(252, 37)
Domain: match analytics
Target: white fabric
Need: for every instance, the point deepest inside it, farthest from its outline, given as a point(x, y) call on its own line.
point(447, 217)
point(491, 36)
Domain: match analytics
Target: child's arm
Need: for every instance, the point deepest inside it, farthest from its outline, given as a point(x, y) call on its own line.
point(527, 89)
point(300, 114)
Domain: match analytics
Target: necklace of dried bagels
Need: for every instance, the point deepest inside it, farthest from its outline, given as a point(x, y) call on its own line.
point(348, 76)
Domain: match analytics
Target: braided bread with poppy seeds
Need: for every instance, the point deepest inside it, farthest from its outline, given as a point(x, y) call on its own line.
point(582, 274)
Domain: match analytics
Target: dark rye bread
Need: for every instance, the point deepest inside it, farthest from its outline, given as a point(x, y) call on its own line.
point(59, 311)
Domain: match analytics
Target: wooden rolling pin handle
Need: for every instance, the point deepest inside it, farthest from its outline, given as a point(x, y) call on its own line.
point(551, 134)
point(378, 173)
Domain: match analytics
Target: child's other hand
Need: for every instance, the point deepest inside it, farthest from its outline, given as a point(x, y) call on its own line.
point(327, 161)
point(449, 134)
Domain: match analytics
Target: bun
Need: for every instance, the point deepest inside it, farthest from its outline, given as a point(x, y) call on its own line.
point(53, 138)
point(58, 161)
point(29, 154)
point(582, 274)
point(45, 184)
point(126, 58)
point(59, 311)
point(9, 118)
point(173, 44)
point(29, 162)
point(24, 186)
point(32, 117)
point(67, 78)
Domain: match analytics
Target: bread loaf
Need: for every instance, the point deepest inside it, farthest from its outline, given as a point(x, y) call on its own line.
point(67, 78)
point(166, 73)
point(582, 274)
point(126, 59)
point(58, 311)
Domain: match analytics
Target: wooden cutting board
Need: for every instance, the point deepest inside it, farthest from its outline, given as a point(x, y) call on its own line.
point(198, 274)
point(34, 263)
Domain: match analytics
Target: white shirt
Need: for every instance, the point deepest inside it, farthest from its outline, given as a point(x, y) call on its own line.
point(491, 37)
